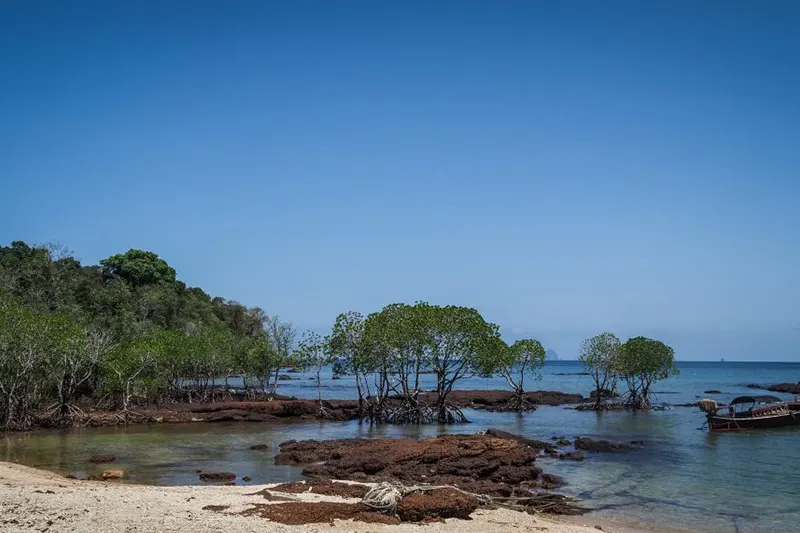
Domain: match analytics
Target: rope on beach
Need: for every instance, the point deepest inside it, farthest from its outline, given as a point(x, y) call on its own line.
point(385, 496)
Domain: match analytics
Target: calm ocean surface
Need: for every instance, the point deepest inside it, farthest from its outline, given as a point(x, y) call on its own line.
point(684, 478)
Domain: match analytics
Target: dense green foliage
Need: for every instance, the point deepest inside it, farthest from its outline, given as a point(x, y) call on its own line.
point(127, 333)
point(524, 358)
point(139, 268)
point(42, 357)
point(390, 350)
point(122, 333)
point(639, 363)
point(600, 356)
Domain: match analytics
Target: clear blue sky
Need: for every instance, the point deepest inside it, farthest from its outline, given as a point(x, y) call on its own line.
point(563, 167)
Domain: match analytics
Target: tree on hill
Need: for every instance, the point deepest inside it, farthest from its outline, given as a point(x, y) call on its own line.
point(124, 332)
point(139, 268)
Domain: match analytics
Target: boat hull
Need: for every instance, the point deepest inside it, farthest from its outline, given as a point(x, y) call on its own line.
point(726, 423)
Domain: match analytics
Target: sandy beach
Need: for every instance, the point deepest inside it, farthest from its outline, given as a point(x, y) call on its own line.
point(36, 500)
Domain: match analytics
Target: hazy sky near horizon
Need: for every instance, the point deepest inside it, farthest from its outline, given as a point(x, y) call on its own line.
point(581, 165)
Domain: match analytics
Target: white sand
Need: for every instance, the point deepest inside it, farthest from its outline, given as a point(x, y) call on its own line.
point(35, 500)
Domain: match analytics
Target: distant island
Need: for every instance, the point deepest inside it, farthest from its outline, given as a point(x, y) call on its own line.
point(551, 355)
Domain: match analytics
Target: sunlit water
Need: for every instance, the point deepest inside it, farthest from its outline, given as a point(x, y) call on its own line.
point(684, 477)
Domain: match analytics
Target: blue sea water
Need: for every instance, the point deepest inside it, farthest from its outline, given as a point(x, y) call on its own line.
point(695, 377)
point(683, 478)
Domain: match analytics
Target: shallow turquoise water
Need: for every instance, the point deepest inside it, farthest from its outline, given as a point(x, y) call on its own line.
point(684, 477)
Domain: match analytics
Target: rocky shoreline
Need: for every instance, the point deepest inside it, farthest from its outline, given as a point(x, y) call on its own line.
point(397, 481)
point(498, 400)
point(786, 388)
point(480, 464)
point(493, 464)
point(35, 500)
point(282, 407)
point(285, 407)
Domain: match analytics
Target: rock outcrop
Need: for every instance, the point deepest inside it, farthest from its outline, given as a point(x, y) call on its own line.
point(498, 400)
point(98, 459)
point(606, 446)
point(495, 464)
point(483, 464)
point(787, 388)
point(107, 475)
point(603, 393)
point(217, 476)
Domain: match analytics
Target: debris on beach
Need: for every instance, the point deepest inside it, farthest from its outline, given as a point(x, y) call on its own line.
point(325, 487)
point(436, 505)
point(216, 508)
point(298, 513)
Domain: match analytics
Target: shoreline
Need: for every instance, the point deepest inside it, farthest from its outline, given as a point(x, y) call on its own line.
point(613, 525)
point(282, 407)
point(37, 500)
point(292, 408)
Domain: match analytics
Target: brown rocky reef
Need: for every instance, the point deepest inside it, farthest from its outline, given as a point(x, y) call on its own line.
point(237, 410)
point(284, 407)
point(538, 445)
point(607, 446)
point(788, 388)
point(498, 400)
point(603, 393)
point(102, 459)
point(259, 411)
point(480, 464)
point(443, 476)
point(217, 476)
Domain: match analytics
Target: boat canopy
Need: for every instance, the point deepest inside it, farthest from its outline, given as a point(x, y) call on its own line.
point(756, 399)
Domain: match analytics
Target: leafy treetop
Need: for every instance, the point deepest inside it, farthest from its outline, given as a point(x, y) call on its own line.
point(139, 267)
point(641, 363)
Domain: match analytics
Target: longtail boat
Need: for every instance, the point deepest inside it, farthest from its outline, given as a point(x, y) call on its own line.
point(750, 412)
